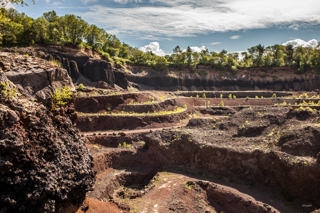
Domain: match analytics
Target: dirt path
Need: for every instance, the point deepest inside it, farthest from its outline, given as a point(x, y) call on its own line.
point(182, 124)
point(134, 131)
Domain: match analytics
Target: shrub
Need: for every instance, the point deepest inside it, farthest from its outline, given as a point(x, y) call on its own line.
point(304, 95)
point(60, 95)
point(204, 95)
point(56, 63)
point(125, 145)
point(221, 104)
point(81, 87)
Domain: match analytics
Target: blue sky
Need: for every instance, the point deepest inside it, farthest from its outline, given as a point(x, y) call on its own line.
point(233, 25)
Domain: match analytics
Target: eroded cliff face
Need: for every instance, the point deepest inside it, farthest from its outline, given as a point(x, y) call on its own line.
point(82, 65)
point(87, 67)
point(284, 79)
point(44, 163)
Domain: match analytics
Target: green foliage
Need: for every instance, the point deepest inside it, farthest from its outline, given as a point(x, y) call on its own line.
point(56, 63)
point(221, 104)
point(304, 95)
point(204, 95)
point(161, 64)
point(125, 145)
point(6, 92)
point(81, 87)
point(60, 95)
point(274, 95)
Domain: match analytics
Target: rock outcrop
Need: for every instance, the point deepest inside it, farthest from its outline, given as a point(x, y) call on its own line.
point(34, 76)
point(99, 70)
point(44, 163)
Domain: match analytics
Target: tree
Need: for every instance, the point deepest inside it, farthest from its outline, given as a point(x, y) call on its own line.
point(93, 35)
point(261, 50)
point(177, 50)
point(40, 27)
point(75, 28)
point(3, 3)
point(3, 18)
point(55, 27)
point(12, 30)
point(189, 56)
point(161, 64)
point(289, 51)
point(278, 56)
point(195, 61)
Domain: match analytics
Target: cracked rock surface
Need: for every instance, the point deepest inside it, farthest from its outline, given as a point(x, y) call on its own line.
point(34, 76)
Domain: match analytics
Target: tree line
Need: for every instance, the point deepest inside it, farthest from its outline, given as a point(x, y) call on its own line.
point(257, 56)
point(18, 29)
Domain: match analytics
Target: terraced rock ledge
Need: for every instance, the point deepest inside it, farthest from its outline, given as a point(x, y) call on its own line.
point(261, 157)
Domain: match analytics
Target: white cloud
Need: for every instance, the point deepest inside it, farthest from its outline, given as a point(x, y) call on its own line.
point(47, 1)
point(294, 26)
point(128, 1)
point(86, 1)
point(301, 43)
point(196, 49)
point(235, 37)
point(153, 47)
point(56, 3)
point(214, 43)
point(181, 18)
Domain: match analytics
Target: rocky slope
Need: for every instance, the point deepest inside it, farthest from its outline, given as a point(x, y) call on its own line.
point(44, 163)
point(87, 67)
